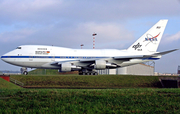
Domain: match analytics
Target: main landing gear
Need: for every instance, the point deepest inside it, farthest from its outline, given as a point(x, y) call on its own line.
point(24, 71)
point(87, 72)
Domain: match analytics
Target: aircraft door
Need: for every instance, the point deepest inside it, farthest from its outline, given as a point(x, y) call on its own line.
point(52, 57)
point(30, 57)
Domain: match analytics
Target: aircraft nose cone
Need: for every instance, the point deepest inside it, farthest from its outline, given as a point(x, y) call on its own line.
point(2, 57)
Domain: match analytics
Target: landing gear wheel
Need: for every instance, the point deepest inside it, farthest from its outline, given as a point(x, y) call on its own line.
point(25, 73)
point(83, 73)
point(80, 73)
point(88, 73)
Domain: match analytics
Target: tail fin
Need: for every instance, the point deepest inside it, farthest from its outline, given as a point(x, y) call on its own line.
point(149, 42)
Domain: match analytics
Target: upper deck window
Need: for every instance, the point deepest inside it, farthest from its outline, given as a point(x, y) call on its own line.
point(18, 48)
point(42, 48)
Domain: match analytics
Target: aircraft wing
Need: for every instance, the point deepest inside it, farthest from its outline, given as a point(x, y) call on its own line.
point(89, 62)
point(121, 58)
point(73, 61)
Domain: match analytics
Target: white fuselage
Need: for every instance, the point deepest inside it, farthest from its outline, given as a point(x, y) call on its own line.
point(38, 56)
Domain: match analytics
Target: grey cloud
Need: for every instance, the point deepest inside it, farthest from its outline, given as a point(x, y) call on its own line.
point(15, 35)
point(82, 33)
point(50, 11)
point(174, 37)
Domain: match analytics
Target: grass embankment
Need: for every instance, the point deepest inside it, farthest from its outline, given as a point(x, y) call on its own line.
point(7, 85)
point(44, 71)
point(138, 100)
point(91, 101)
point(100, 81)
point(50, 72)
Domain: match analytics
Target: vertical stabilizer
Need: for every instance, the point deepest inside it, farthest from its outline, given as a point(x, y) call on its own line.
point(149, 42)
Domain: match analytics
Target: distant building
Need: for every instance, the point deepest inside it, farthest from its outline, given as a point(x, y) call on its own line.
point(8, 72)
point(137, 69)
point(178, 70)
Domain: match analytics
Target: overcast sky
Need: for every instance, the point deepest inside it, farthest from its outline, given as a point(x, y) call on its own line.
point(70, 23)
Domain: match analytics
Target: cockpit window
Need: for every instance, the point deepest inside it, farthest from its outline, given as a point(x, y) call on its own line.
point(18, 48)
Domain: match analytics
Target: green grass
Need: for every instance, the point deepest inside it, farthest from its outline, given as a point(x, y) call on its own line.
point(50, 72)
point(44, 72)
point(100, 81)
point(139, 95)
point(7, 85)
point(81, 101)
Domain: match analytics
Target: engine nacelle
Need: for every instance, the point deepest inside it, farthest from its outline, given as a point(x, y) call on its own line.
point(100, 64)
point(67, 67)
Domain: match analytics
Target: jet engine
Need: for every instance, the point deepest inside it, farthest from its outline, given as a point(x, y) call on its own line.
point(66, 67)
point(102, 64)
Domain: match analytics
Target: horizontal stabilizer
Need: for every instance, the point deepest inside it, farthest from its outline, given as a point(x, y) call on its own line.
point(143, 56)
point(165, 52)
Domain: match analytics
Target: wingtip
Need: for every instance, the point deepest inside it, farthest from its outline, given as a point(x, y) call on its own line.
point(175, 49)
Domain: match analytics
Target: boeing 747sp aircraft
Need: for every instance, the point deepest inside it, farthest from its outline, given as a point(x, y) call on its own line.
point(86, 61)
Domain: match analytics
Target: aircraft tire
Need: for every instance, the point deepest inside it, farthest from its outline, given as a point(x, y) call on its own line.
point(83, 73)
point(25, 73)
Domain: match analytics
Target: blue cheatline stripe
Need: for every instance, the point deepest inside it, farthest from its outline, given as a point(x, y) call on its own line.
point(66, 57)
point(151, 58)
point(62, 57)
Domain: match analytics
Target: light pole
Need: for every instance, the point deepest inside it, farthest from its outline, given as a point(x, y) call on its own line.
point(94, 40)
point(82, 45)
